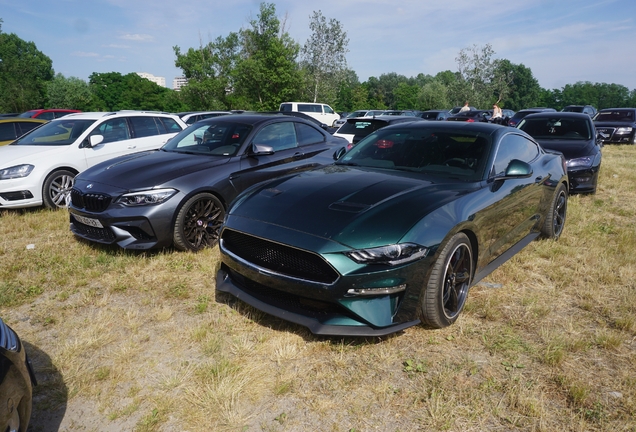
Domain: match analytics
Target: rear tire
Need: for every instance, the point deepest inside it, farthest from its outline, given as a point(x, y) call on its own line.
point(56, 192)
point(555, 219)
point(445, 293)
point(198, 222)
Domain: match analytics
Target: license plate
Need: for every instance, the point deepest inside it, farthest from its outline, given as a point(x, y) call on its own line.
point(88, 221)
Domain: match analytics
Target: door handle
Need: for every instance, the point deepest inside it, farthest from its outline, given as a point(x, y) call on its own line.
point(132, 146)
point(538, 180)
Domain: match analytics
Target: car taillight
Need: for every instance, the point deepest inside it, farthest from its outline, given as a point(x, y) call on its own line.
point(470, 121)
point(384, 144)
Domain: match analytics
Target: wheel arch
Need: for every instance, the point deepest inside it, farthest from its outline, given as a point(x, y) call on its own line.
point(192, 193)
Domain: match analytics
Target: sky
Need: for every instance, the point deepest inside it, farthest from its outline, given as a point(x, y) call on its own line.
point(561, 41)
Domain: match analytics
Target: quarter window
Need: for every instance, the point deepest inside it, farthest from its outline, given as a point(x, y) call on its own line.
point(308, 135)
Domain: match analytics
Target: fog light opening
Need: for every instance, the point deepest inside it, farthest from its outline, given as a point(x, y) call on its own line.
point(376, 291)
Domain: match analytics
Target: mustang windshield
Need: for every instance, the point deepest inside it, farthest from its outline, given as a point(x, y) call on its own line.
point(217, 139)
point(55, 133)
point(461, 155)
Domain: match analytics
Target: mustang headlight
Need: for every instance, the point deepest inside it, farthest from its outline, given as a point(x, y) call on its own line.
point(18, 171)
point(580, 162)
point(389, 255)
point(624, 130)
point(149, 197)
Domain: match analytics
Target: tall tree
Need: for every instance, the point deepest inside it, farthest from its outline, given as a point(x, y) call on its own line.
point(267, 73)
point(323, 58)
point(24, 73)
point(525, 90)
point(71, 93)
point(476, 69)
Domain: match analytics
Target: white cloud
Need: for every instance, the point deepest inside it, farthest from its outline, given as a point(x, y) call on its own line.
point(137, 37)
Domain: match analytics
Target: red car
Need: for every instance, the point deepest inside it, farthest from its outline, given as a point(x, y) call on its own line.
point(47, 114)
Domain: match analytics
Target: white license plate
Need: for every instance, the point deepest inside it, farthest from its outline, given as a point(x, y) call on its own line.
point(88, 221)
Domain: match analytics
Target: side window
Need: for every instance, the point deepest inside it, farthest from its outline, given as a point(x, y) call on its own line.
point(514, 146)
point(144, 126)
point(7, 132)
point(22, 128)
point(169, 125)
point(286, 107)
point(113, 130)
point(308, 135)
point(46, 116)
point(328, 109)
point(279, 136)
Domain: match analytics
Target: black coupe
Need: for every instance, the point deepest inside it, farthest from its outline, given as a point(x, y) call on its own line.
point(179, 193)
point(394, 232)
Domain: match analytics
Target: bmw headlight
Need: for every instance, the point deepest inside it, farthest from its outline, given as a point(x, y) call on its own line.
point(18, 171)
point(389, 255)
point(582, 162)
point(149, 197)
point(624, 130)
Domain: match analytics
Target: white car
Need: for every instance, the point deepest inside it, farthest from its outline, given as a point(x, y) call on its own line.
point(321, 112)
point(39, 168)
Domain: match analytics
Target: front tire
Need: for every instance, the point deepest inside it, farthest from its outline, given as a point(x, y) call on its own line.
point(445, 293)
point(198, 222)
point(56, 192)
point(555, 219)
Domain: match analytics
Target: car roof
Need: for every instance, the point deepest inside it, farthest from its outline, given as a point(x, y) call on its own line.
point(21, 120)
point(252, 118)
point(99, 115)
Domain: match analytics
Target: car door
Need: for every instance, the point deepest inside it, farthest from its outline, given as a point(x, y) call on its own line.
point(294, 144)
point(516, 201)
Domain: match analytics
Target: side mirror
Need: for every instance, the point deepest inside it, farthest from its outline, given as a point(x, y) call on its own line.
point(93, 141)
point(339, 153)
point(258, 149)
point(516, 169)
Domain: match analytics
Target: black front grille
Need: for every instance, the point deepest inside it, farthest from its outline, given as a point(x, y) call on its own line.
point(94, 202)
point(99, 234)
point(279, 258)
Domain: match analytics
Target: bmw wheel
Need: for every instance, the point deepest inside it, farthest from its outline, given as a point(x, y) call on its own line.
point(444, 296)
point(56, 192)
point(198, 222)
point(555, 219)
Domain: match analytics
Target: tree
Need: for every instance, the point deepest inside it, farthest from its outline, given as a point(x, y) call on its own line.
point(71, 93)
point(24, 72)
point(114, 91)
point(406, 96)
point(324, 58)
point(434, 95)
point(267, 73)
point(476, 70)
point(525, 90)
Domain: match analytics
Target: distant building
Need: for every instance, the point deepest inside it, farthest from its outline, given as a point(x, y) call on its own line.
point(155, 79)
point(179, 82)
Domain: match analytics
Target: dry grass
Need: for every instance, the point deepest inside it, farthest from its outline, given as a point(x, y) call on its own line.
point(140, 341)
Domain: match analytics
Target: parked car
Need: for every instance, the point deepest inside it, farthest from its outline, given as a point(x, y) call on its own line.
point(190, 117)
point(396, 231)
point(16, 382)
point(321, 112)
point(409, 113)
point(574, 135)
point(178, 194)
point(14, 127)
point(457, 109)
point(471, 116)
point(39, 167)
point(358, 113)
point(47, 114)
point(616, 125)
point(587, 109)
point(434, 114)
point(356, 129)
point(519, 115)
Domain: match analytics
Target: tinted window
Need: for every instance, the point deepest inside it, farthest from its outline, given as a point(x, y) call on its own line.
point(168, 125)
point(327, 109)
point(144, 126)
point(113, 130)
point(557, 128)
point(514, 146)
point(308, 134)
point(616, 115)
point(361, 128)
point(24, 127)
point(7, 132)
point(279, 136)
point(46, 116)
point(218, 139)
point(309, 108)
point(286, 107)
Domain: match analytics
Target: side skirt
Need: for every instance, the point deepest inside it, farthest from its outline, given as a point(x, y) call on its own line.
point(494, 264)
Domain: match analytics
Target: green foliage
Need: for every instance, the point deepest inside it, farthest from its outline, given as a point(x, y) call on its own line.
point(113, 91)
point(70, 93)
point(24, 72)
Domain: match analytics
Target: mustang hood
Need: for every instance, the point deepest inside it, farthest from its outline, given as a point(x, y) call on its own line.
point(343, 203)
point(148, 169)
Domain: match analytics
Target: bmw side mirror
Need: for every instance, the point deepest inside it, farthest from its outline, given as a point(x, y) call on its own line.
point(339, 153)
point(259, 149)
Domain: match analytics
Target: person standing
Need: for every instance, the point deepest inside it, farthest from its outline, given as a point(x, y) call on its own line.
point(497, 114)
point(465, 108)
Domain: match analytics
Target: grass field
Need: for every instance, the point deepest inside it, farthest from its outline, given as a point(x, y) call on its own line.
point(140, 341)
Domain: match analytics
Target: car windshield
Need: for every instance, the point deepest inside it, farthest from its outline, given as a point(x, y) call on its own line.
point(361, 128)
point(556, 128)
point(217, 139)
point(458, 155)
point(55, 133)
point(616, 115)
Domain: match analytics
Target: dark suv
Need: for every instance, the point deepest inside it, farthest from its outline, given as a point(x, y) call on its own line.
point(586, 109)
point(519, 115)
point(616, 125)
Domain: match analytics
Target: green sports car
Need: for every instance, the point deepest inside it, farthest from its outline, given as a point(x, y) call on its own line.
point(396, 231)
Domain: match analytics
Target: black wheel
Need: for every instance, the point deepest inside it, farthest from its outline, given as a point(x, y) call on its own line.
point(444, 296)
point(198, 222)
point(56, 192)
point(555, 219)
